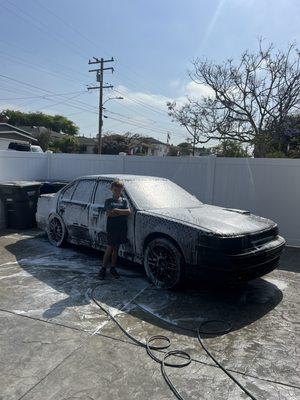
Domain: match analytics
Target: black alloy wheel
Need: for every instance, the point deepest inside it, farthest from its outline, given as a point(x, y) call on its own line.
point(163, 264)
point(56, 231)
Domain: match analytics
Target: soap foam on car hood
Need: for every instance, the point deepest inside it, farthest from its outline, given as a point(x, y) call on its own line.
point(218, 220)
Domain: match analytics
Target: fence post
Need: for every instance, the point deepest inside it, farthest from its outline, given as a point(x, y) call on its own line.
point(48, 165)
point(211, 178)
point(123, 164)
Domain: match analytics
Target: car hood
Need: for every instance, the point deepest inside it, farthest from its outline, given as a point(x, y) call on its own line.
point(219, 220)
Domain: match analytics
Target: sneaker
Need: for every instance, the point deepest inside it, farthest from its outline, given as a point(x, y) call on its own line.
point(114, 273)
point(102, 273)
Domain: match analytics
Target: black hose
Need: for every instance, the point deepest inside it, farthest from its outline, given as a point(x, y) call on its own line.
point(149, 347)
point(219, 364)
point(182, 354)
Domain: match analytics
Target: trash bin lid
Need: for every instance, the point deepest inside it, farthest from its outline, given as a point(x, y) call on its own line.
point(20, 184)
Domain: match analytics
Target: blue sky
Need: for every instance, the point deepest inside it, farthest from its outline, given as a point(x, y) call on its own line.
point(47, 44)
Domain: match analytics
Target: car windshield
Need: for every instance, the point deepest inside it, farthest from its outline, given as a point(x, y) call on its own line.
point(36, 149)
point(150, 194)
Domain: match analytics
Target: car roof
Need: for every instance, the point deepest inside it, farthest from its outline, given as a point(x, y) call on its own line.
point(123, 177)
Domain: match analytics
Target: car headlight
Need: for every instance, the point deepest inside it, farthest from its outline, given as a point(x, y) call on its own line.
point(208, 239)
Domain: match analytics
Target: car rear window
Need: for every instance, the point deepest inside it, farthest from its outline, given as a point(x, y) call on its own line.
point(69, 191)
point(83, 191)
point(19, 146)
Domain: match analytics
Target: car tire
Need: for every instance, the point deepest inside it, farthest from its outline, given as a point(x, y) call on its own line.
point(56, 231)
point(164, 264)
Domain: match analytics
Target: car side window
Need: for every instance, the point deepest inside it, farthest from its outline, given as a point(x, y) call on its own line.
point(102, 192)
point(83, 191)
point(67, 194)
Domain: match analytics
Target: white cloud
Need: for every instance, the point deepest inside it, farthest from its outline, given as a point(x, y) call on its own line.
point(198, 90)
point(151, 99)
point(175, 83)
point(191, 89)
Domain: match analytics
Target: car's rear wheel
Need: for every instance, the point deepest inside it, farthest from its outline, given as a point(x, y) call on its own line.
point(163, 264)
point(56, 231)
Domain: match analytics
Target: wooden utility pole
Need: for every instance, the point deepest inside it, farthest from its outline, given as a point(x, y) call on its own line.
point(99, 78)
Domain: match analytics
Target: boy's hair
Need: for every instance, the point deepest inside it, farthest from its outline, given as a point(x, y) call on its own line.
point(118, 184)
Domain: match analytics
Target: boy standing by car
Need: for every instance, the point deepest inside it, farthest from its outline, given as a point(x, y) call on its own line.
point(117, 211)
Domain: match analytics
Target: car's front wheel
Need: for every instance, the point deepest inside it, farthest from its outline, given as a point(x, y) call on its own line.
point(56, 230)
point(163, 264)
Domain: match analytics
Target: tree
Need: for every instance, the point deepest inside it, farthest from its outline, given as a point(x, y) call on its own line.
point(230, 148)
point(55, 122)
point(44, 139)
point(66, 144)
point(188, 116)
point(185, 149)
point(248, 97)
point(173, 151)
point(285, 142)
point(114, 143)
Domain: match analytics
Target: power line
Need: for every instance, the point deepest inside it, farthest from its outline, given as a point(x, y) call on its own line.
point(61, 102)
point(43, 90)
point(66, 23)
point(91, 108)
point(42, 97)
point(140, 102)
point(158, 130)
point(24, 83)
point(11, 44)
point(161, 130)
point(78, 50)
point(36, 67)
point(40, 26)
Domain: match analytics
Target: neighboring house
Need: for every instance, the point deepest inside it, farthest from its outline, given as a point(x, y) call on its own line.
point(150, 147)
point(186, 149)
point(202, 151)
point(37, 130)
point(10, 133)
point(87, 145)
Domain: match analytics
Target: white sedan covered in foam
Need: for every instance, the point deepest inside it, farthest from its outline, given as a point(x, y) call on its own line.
point(170, 231)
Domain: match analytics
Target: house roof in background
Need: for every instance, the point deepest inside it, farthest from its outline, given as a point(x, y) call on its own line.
point(151, 140)
point(6, 128)
point(86, 141)
point(36, 130)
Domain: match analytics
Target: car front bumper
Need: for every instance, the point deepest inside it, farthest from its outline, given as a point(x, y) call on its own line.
point(246, 265)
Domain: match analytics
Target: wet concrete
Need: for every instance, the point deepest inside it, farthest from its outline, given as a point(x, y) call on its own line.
point(56, 344)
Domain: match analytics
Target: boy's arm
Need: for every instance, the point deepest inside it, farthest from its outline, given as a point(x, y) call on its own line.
point(125, 210)
point(107, 207)
point(121, 211)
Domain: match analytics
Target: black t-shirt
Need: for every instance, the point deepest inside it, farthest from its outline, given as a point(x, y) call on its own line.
point(119, 222)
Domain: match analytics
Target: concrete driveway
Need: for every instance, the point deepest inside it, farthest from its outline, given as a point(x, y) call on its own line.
point(57, 344)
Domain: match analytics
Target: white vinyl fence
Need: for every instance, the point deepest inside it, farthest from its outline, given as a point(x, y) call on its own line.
point(267, 187)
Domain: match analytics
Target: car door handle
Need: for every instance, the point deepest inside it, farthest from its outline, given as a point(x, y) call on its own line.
point(96, 212)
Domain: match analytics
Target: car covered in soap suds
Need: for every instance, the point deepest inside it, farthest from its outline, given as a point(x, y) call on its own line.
point(170, 232)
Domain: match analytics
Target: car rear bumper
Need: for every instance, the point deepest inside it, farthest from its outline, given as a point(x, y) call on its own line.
point(249, 264)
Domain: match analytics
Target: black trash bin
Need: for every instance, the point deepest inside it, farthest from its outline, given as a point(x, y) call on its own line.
point(52, 187)
point(20, 199)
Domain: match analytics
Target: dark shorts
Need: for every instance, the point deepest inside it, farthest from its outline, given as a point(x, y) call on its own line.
point(116, 237)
